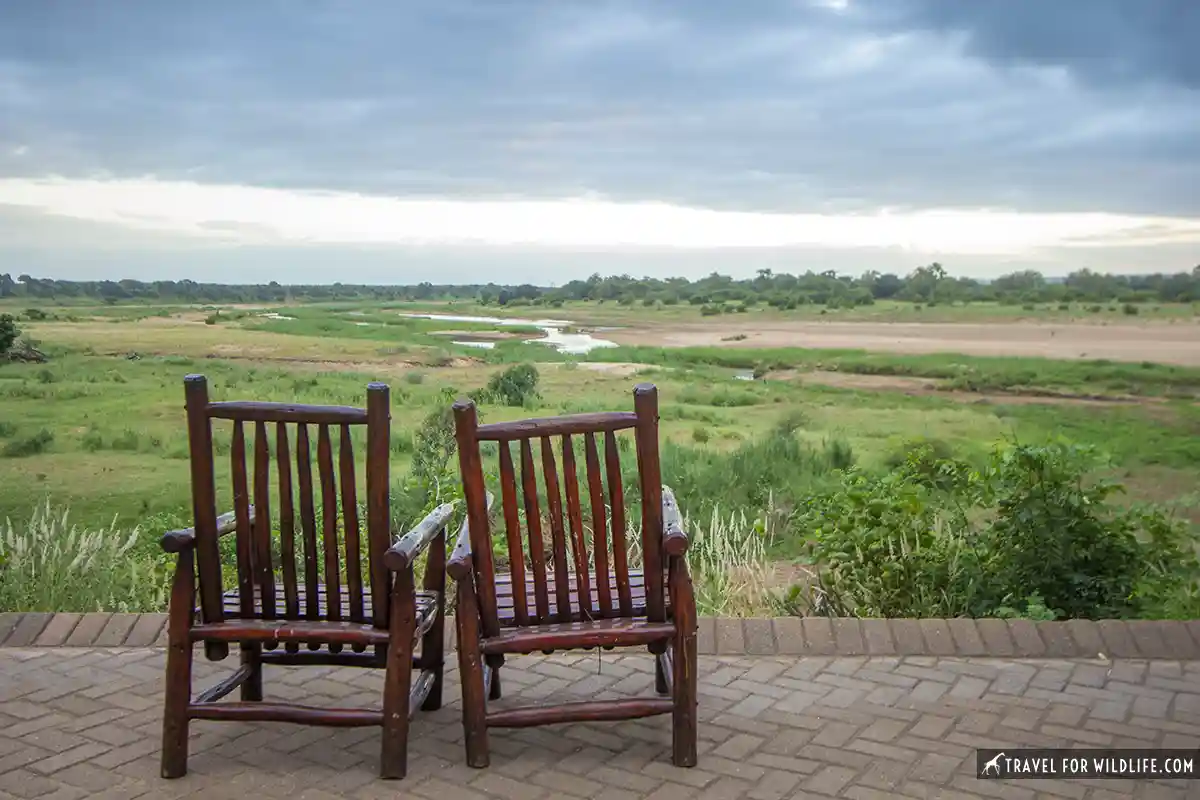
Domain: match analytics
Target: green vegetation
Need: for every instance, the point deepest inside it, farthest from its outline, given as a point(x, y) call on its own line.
point(1031, 534)
point(929, 286)
point(767, 469)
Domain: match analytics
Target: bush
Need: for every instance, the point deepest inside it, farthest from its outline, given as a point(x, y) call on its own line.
point(35, 314)
point(515, 386)
point(8, 332)
point(700, 435)
point(29, 445)
point(414, 378)
point(7, 429)
point(51, 565)
point(1130, 309)
point(1031, 535)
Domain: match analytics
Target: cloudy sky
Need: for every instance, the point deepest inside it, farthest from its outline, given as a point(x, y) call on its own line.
point(541, 140)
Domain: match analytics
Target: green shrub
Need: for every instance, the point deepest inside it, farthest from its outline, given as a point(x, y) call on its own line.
point(414, 378)
point(35, 314)
point(8, 332)
point(30, 445)
point(1031, 535)
point(515, 386)
point(1130, 309)
point(700, 435)
point(793, 420)
point(7, 429)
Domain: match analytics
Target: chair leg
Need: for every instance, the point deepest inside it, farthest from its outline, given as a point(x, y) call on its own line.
point(683, 718)
point(252, 690)
point(393, 757)
point(660, 678)
point(494, 690)
point(470, 672)
point(178, 694)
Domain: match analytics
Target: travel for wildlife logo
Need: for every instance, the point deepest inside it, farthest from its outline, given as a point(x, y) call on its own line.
point(1175, 764)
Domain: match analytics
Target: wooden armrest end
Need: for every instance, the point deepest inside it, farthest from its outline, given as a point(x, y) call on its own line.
point(405, 551)
point(180, 540)
point(459, 565)
point(675, 541)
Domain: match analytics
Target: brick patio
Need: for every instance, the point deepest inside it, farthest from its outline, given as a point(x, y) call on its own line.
point(84, 722)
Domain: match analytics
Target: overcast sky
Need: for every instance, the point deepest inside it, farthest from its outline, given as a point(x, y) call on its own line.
point(518, 140)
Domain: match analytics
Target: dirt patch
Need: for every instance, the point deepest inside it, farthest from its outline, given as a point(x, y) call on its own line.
point(1167, 344)
point(929, 387)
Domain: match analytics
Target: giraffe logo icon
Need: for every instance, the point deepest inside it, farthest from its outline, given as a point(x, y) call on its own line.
point(993, 764)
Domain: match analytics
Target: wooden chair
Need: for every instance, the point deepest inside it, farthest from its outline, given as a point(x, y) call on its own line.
point(335, 623)
point(555, 600)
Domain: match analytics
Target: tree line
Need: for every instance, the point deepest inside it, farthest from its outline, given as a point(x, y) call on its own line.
point(930, 284)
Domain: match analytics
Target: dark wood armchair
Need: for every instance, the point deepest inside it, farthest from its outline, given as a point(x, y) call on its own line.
point(302, 595)
point(557, 596)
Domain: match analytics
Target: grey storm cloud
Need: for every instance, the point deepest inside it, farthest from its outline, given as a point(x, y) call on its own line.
point(796, 105)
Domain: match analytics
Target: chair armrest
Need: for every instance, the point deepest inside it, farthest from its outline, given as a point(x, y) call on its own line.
point(675, 541)
point(178, 541)
point(404, 552)
point(459, 565)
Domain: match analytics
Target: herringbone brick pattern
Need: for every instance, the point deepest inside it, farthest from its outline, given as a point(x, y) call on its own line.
point(82, 722)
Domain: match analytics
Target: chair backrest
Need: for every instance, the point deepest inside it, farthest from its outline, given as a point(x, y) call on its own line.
point(280, 437)
point(558, 571)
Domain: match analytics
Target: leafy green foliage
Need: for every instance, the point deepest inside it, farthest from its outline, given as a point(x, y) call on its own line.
point(1031, 535)
point(8, 332)
point(515, 386)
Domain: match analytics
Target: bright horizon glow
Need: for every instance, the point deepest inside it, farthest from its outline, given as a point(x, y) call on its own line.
point(248, 215)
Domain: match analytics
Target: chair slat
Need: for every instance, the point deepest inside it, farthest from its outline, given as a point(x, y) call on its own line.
point(512, 530)
point(287, 529)
point(204, 502)
point(308, 521)
point(616, 499)
point(599, 524)
point(558, 537)
point(350, 525)
point(241, 509)
point(263, 563)
point(329, 514)
point(645, 402)
point(533, 522)
point(575, 524)
point(379, 442)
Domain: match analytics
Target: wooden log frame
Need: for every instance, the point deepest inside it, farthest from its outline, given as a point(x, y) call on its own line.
point(661, 615)
point(379, 620)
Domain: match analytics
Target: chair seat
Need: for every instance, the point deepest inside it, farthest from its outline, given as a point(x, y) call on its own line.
point(507, 610)
point(231, 606)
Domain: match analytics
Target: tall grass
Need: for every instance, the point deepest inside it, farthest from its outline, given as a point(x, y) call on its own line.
point(49, 564)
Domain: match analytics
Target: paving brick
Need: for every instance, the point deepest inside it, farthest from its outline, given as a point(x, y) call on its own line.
point(818, 636)
point(937, 637)
point(877, 636)
point(145, 630)
point(1148, 638)
point(848, 637)
point(967, 641)
point(789, 636)
point(8, 621)
point(88, 629)
point(1057, 637)
point(1118, 639)
point(28, 629)
point(57, 630)
point(906, 633)
point(997, 637)
point(759, 637)
point(1026, 639)
point(706, 636)
point(1086, 635)
point(730, 637)
point(115, 630)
